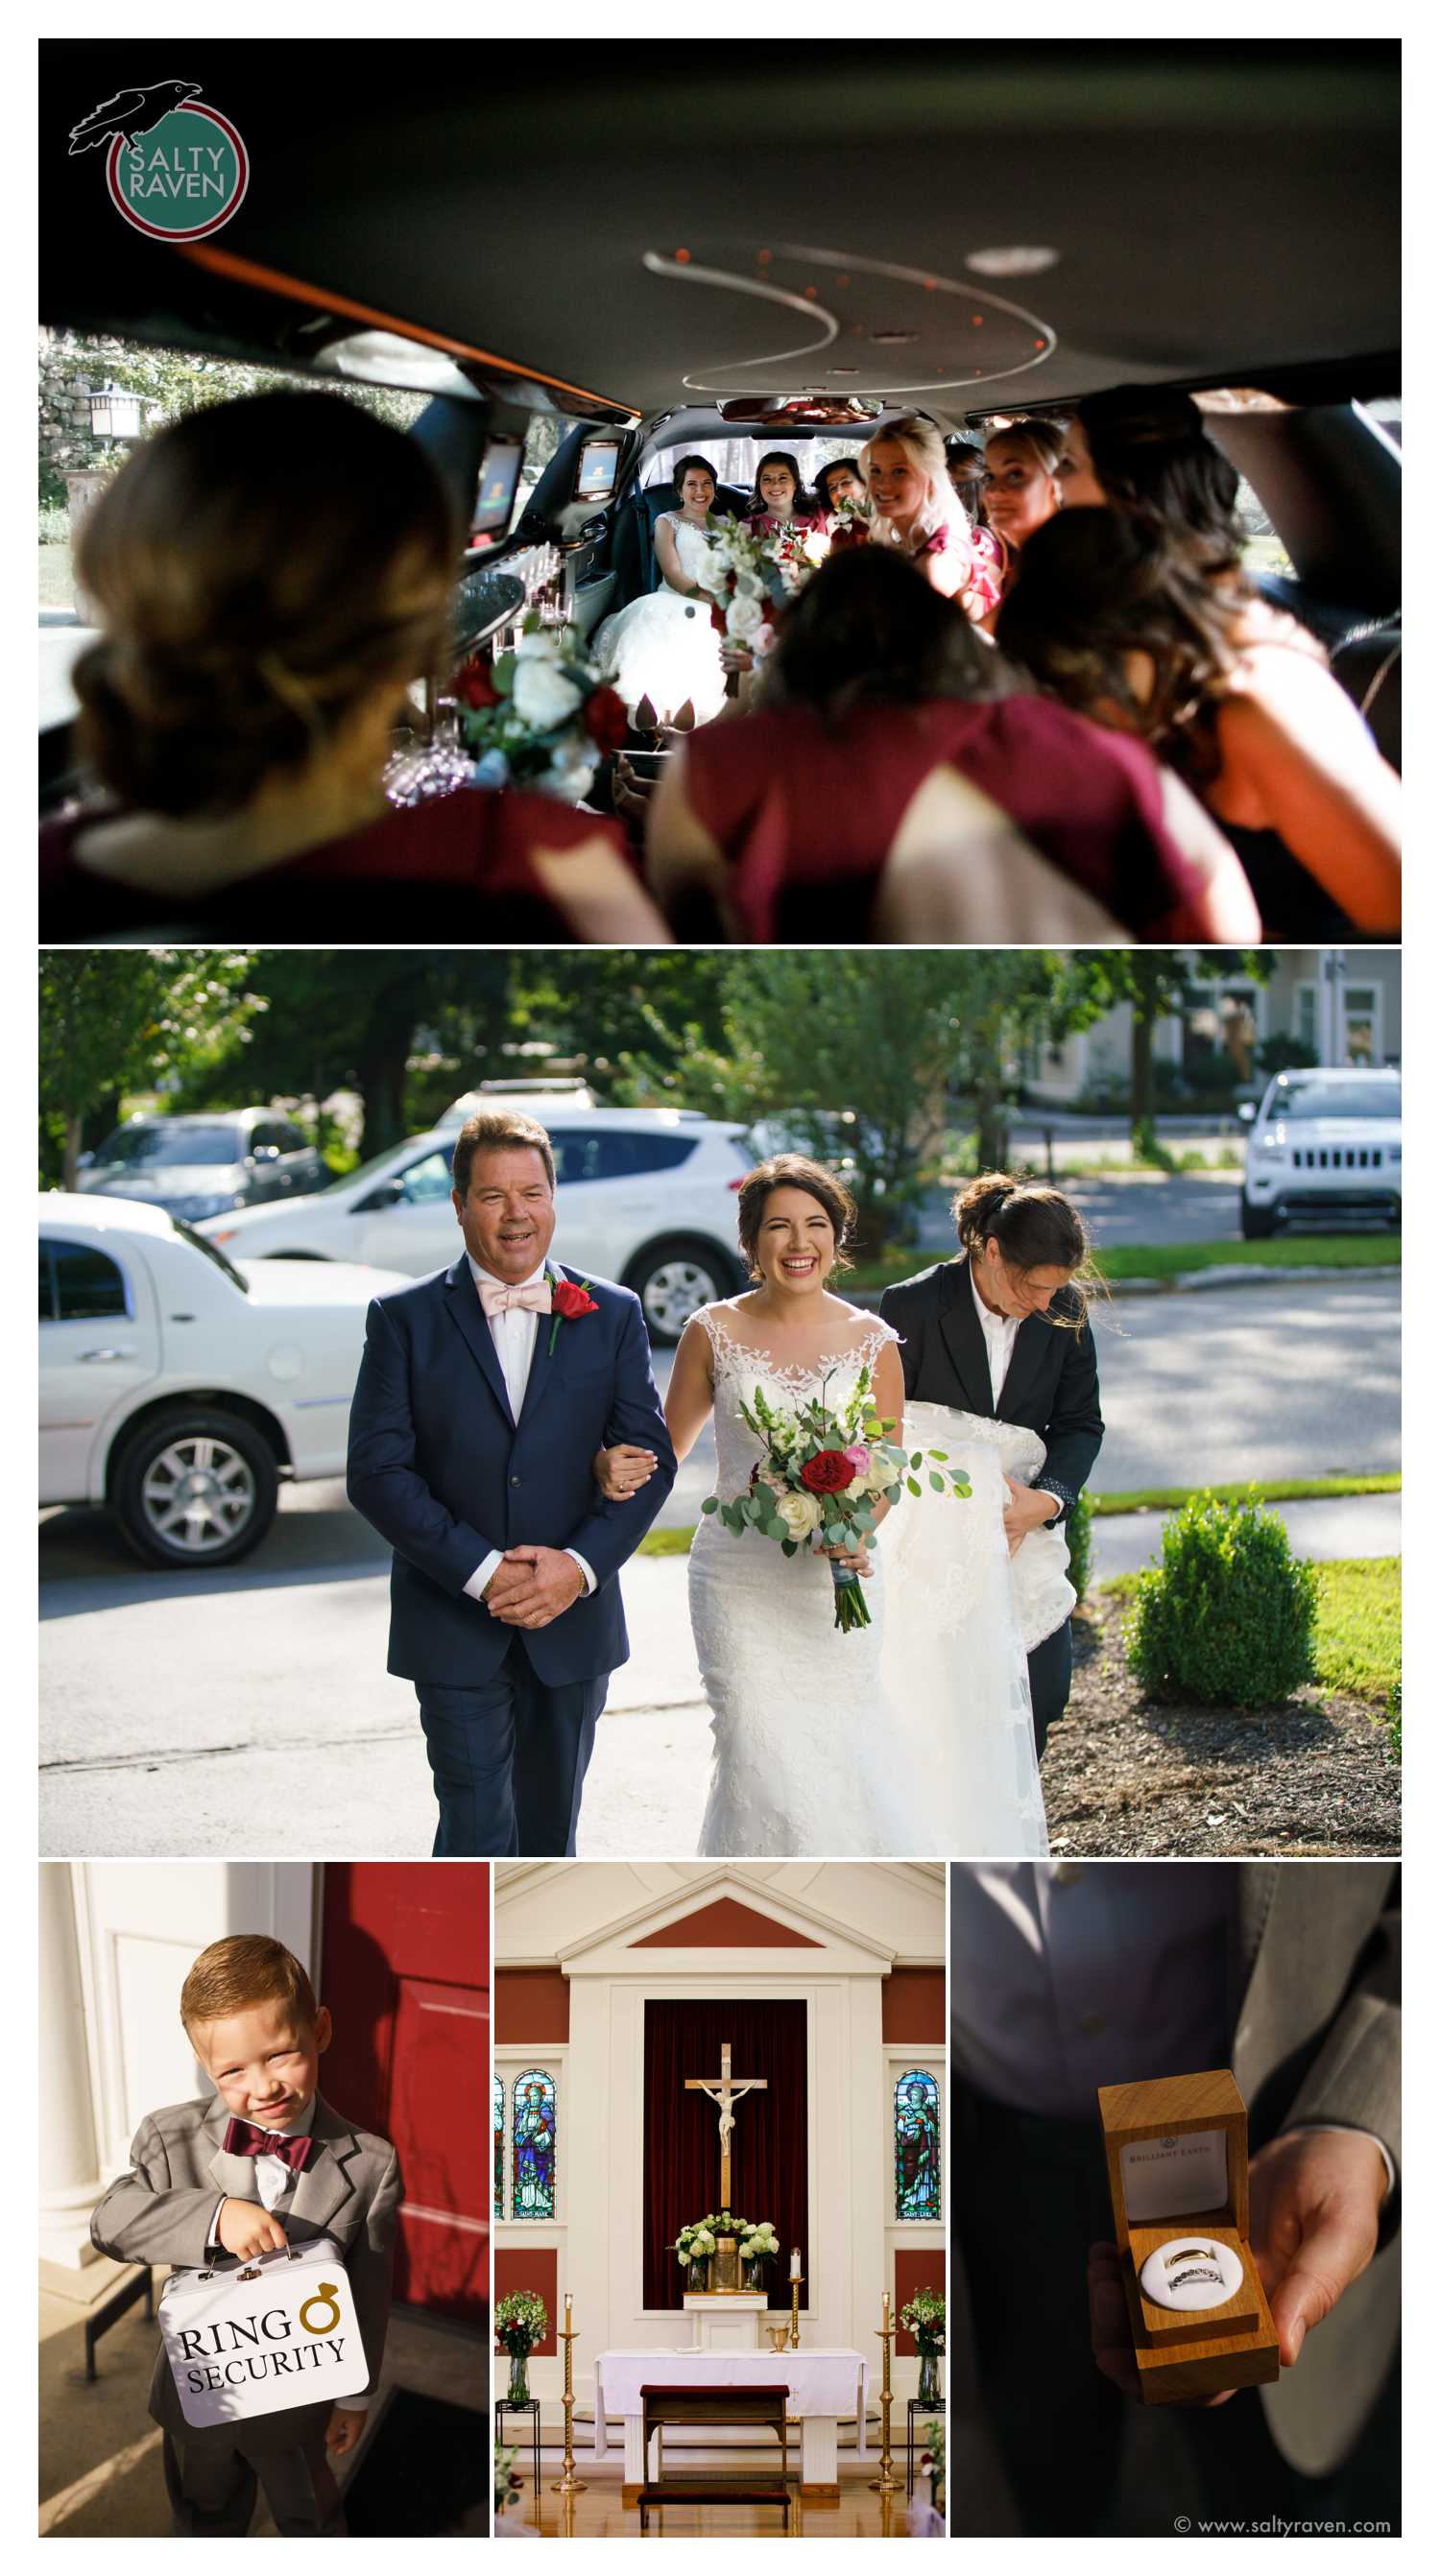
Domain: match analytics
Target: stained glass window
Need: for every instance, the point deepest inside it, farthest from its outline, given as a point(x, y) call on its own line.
point(917, 2145)
point(498, 2124)
point(532, 2131)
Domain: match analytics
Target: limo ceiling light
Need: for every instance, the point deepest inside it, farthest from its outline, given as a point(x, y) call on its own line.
point(1018, 262)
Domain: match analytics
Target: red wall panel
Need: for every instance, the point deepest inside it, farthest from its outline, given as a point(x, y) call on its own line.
point(532, 2006)
point(530, 2267)
point(917, 2267)
point(912, 2007)
point(405, 1969)
point(725, 1925)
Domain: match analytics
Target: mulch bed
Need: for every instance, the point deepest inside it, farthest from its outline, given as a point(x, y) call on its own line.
point(1139, 1778)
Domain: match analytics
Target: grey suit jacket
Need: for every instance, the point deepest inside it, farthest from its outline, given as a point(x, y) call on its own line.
point(160, 2212)
point(1315, 2009)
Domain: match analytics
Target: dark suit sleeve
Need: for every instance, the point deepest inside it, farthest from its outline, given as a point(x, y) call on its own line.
point(1076, 1426)
point(382, 1479)
point(144, 2218)
point(369, 2265)
point(612, 1532)
point(899, 1311)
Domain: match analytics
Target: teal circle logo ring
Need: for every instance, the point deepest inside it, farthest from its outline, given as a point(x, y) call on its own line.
point(183, 179)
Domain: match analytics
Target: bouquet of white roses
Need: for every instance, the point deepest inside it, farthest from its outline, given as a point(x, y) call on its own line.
point(825, 1468)
point(541, 716)
point(752, 578)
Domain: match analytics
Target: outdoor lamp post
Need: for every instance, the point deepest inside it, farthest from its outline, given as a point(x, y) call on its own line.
point(114, 413)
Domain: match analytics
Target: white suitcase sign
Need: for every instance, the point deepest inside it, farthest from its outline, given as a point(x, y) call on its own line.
point(247, 2339)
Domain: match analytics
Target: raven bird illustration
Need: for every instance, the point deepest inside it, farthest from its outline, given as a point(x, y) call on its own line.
point(130, 112)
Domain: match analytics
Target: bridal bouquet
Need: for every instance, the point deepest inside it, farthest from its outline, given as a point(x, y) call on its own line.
point(752, 578)
point(823, 1472)
point(541, 716)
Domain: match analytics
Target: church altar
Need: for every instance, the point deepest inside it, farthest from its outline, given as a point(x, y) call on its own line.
point(823, 2387)
point(729, 2321)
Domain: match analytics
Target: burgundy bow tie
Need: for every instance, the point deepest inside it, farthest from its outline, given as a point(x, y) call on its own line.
point(243, 2138)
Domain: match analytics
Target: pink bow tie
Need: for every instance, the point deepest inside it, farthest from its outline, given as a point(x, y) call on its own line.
point(496, 1299)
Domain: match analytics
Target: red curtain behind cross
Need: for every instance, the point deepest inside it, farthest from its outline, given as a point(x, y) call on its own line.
point(768, 2152)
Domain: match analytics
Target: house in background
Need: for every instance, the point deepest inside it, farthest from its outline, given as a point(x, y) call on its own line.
point(1338, 1005)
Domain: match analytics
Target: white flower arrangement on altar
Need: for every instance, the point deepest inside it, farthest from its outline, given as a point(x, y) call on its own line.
point(759, 2242)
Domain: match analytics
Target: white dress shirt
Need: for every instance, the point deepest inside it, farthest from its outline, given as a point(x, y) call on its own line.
point(513, 1333)
point(1065, 1975)
point(999, 1332)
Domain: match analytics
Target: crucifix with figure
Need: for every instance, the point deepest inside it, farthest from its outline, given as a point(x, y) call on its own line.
point(726, 2091)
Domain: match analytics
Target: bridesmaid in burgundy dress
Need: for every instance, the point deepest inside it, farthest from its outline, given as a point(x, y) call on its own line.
point(899, 785)
point(272, 575)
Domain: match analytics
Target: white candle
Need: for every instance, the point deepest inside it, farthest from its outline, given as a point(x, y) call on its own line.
point(887, 2308)
point(567, 2307)
point(795, 2264)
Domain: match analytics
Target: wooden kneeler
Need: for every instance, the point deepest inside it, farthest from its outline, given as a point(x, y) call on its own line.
point(762, 2407)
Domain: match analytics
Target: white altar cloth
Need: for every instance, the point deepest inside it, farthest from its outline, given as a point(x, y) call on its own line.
point(820, 2383)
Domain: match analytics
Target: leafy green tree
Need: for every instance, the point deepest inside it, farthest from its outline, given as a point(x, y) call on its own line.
point(1159, 984)
point(126, 1019)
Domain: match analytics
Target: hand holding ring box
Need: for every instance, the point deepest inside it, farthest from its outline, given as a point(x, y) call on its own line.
point(1178, 2154)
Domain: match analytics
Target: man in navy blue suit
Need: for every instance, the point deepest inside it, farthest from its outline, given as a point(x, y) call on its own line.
point(484, 1393)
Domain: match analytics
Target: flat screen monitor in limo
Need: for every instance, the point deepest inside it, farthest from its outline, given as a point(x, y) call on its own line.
point(495, 495)
point(599, 465)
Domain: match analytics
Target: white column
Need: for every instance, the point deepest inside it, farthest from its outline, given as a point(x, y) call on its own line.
point(69, 2162)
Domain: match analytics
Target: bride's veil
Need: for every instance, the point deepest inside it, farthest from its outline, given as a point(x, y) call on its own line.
point(954, 1658)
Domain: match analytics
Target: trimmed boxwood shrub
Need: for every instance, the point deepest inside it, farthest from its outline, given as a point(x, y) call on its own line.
point(1229, 1614)
point(1077, 1532)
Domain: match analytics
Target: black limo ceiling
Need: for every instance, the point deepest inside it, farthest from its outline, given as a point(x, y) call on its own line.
point(620, 229)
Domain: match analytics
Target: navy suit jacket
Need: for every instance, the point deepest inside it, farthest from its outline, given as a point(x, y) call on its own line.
point(444, 1472)
point(1052, 1385)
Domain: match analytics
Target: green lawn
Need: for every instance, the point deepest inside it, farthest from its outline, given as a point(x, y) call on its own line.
point(1170, 1260)
point(1357, 1640)
point(57, 580)
point(1279, 1489)
point(1160, 1498)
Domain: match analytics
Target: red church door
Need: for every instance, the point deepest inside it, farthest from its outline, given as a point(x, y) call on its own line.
point(405, 1969)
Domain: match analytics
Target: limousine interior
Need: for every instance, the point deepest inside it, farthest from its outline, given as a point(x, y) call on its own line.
point(602, 256)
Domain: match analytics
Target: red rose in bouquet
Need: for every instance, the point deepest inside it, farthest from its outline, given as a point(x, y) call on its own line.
point(605, 719)
point(571, 1302)
point(828, 1472)
point(474, 686)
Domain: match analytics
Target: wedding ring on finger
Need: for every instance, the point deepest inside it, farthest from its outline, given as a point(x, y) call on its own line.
point(1182, 2274)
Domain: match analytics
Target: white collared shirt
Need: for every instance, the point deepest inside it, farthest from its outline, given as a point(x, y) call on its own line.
point(273, 2175)
point(999, 1332)
point(513, 1332)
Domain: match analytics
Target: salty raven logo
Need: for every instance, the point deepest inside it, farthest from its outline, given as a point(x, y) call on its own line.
point(129, 113)
point(175, 168)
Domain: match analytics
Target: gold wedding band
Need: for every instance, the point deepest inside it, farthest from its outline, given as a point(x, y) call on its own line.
point(1190, 2254)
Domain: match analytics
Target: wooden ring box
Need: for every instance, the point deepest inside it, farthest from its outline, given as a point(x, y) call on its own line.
point(1177, 2151)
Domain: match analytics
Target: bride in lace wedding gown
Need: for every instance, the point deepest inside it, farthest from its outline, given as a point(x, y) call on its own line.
point(911, 1738)
point(664, 647)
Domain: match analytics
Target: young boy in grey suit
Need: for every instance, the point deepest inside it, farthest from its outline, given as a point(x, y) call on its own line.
point(265, 2163)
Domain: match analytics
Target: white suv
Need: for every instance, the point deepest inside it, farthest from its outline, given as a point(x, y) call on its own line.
point(645, 1196)
point(1324, 1143)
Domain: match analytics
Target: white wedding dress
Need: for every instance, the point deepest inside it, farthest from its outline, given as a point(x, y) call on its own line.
point(911, 1738)
point(664, 647)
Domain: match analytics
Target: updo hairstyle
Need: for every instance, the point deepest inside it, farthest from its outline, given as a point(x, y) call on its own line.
point(793, 1172)
point(262, 569)
point(1036, 1228)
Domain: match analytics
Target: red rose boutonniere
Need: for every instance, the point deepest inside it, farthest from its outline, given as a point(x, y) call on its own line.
point(567, 1304)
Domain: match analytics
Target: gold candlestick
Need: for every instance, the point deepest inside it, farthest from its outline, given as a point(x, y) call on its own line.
point(568, 2484)
point(796, 2283)
point(887, 2484)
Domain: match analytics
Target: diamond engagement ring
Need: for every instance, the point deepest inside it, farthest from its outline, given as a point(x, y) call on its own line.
point(1197, 2272)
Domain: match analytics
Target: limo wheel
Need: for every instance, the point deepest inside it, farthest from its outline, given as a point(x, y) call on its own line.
point(671, 1280)
point(196, 1486)
point(1255, 1222)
